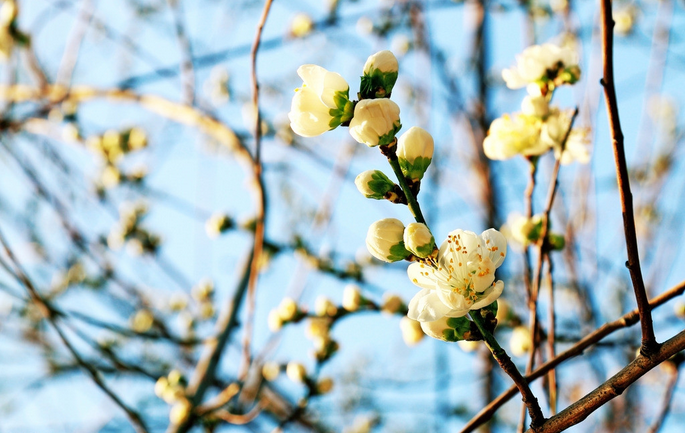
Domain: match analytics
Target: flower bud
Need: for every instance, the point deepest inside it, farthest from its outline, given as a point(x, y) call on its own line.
point(324, 307)
point(380, 74)
point(301, 25)
point(296, 371)
point(325, 385)
point(535, 106)
point(376, 121)
point(374, 184)
point(393, 304)
point(178, 301)
point(419, 240)
point(180, 411)
point(520, 341)
point(271, 370)
point(203, 290)
point(218, 224)
point(288, 309)
point(556, 241)
point(142, 321)
point(415, 150)
point(437, 328)
point(512, 135)
point(385, 240)
point(274, 320)
point(321, 103)
point(411, 331)
point(351, 297)
point(318, 328)
point(468, 346)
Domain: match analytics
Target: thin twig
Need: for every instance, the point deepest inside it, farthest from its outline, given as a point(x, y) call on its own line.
point(648, 342)
point(594, 337)
point(508, 367)
point(50, 315)
point(552, 375)
point(187, 73)
point(261, 205)
point(613, 387)
point(667, 400)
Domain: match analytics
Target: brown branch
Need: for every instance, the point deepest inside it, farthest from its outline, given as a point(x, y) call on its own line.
point(552, 376)
point(613, 387)
point(594, 337)
point(648, 342)
point(261, 204)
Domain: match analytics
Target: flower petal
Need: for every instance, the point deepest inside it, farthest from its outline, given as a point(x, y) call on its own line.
point(489, 295)
point(421, 275)
point(425, 306)
point(496, 246)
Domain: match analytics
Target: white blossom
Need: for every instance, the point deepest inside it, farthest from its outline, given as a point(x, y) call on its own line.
point(461, 279)
point(514, 135)
point(321, 103)
point(536, 62)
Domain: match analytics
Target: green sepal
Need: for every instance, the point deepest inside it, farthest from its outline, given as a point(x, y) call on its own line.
point(377, 84)
point(461, 325)
point(343, 111)
point(450, 335)
point(556, 241)
point(535, 232)
point(416, 169)
point(427, 249)
point(380, 184)
point(398, 252)
point(388, 138)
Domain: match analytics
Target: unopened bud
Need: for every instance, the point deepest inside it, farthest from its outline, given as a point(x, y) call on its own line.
point(419, 240)
point(415, 151)
point(374, 184)
point(380, 75)
point(385, 240)
point(351, 297)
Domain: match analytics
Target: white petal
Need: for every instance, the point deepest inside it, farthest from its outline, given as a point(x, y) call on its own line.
point(489, 295)
point(426, 307)
point(496, 246)
point(452, 300)
point(421, 275)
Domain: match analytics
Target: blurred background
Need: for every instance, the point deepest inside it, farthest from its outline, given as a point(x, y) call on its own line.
point(128, 214)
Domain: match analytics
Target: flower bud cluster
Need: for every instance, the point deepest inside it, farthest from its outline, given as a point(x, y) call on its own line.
point(203, 293)
point(287, 311)
point(128, 231)
point(539, 128)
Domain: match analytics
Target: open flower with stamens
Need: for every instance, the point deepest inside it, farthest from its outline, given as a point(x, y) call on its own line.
point(462, 278)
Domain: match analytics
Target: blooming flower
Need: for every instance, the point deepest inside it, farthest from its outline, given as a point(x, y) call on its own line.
point(539, 63)
point(321, 103)
point(513, 135)
point(380, 74)
point(376, 121)
point(461, 279)
point(415, 150)
point(385, 240)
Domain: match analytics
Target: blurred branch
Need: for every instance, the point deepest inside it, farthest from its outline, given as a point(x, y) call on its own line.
point(667, 400)
point(187, 74)
point(613, 387)
point(648, 342)
point(594, 337)
point(49, 314)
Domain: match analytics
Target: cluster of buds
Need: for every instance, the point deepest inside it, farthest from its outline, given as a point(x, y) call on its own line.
point(319, 331)
point(539, 128)
point(287, 311)
point(203, 293)
point(128, 231)
point(172, 389)
point(111, 147)
point(389, 240)
point(525, 231)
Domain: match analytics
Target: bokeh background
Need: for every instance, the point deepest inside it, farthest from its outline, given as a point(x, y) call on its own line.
point(61, 202)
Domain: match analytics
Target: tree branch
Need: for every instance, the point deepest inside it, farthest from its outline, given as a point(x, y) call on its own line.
point(648, 342)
